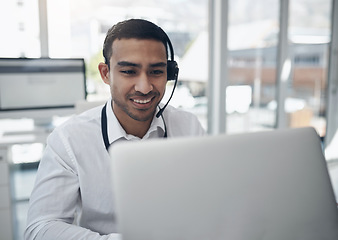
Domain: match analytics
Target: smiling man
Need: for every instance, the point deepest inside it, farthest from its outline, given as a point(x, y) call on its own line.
point(73, 197)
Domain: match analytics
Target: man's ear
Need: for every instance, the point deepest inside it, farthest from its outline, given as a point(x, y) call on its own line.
point(104, 72)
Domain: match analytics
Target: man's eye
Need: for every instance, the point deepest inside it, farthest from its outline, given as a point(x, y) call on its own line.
point(128, 72)
point(157, 72)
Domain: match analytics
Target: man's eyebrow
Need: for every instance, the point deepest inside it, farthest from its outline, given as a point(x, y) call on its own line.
point(131, 64)
point(128, 64)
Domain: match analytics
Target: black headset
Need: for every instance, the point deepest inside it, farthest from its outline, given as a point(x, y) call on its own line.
point(172, 74)
point(172, 66)
point(172, 70)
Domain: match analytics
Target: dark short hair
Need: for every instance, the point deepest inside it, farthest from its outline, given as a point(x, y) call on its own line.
point(132, 28)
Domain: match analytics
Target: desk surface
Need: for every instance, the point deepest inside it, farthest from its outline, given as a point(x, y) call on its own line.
point(21, 131)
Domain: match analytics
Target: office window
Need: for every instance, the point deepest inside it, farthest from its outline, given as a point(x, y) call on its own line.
point(309, 38)
point(252, 44)
point(19, 26)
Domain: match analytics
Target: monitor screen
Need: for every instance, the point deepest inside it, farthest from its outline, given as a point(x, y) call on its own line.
point(33, 87)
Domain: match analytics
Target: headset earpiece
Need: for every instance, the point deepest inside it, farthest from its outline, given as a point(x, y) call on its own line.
point(172, 70)
point(172, 73)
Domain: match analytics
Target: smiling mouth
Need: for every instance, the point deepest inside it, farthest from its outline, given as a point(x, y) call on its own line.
point(145, 101)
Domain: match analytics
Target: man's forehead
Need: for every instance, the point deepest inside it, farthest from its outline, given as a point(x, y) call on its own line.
point(127, 42)
point(138, 50)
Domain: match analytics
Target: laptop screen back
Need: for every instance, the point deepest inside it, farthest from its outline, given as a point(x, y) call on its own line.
point(266, 185)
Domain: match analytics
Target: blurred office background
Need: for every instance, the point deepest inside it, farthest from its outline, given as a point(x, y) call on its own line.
point(244, 66)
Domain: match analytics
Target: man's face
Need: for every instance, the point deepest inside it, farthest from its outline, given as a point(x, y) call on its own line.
point(137, 78)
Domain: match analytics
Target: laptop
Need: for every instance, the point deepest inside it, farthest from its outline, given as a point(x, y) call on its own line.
point(271, 185)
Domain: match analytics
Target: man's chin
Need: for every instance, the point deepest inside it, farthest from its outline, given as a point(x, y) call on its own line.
point(143, 115)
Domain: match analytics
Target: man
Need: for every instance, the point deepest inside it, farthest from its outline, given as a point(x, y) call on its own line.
point(73, 197)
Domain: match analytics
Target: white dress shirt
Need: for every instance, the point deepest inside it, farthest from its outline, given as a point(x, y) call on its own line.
point(73, 197)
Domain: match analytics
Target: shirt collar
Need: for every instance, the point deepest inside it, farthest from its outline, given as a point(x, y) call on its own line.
point(116, 131)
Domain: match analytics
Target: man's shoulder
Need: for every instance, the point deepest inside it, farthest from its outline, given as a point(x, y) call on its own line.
point(182, 123)
point(81, 122)
point(173, 112)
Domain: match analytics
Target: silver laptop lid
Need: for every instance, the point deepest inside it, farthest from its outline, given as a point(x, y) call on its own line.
point(266, 185)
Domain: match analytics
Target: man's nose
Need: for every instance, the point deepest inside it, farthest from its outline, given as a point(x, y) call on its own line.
point(143, 84)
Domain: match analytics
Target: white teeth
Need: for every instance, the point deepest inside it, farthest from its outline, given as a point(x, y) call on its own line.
point(142, 101)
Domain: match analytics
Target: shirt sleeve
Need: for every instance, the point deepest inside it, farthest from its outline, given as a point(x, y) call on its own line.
point(182, 123)
point(55, 197)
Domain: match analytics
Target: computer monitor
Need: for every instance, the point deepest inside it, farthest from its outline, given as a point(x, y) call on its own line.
point(40, 88)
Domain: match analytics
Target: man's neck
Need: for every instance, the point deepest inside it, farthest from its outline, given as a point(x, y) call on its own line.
point(136, 128)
